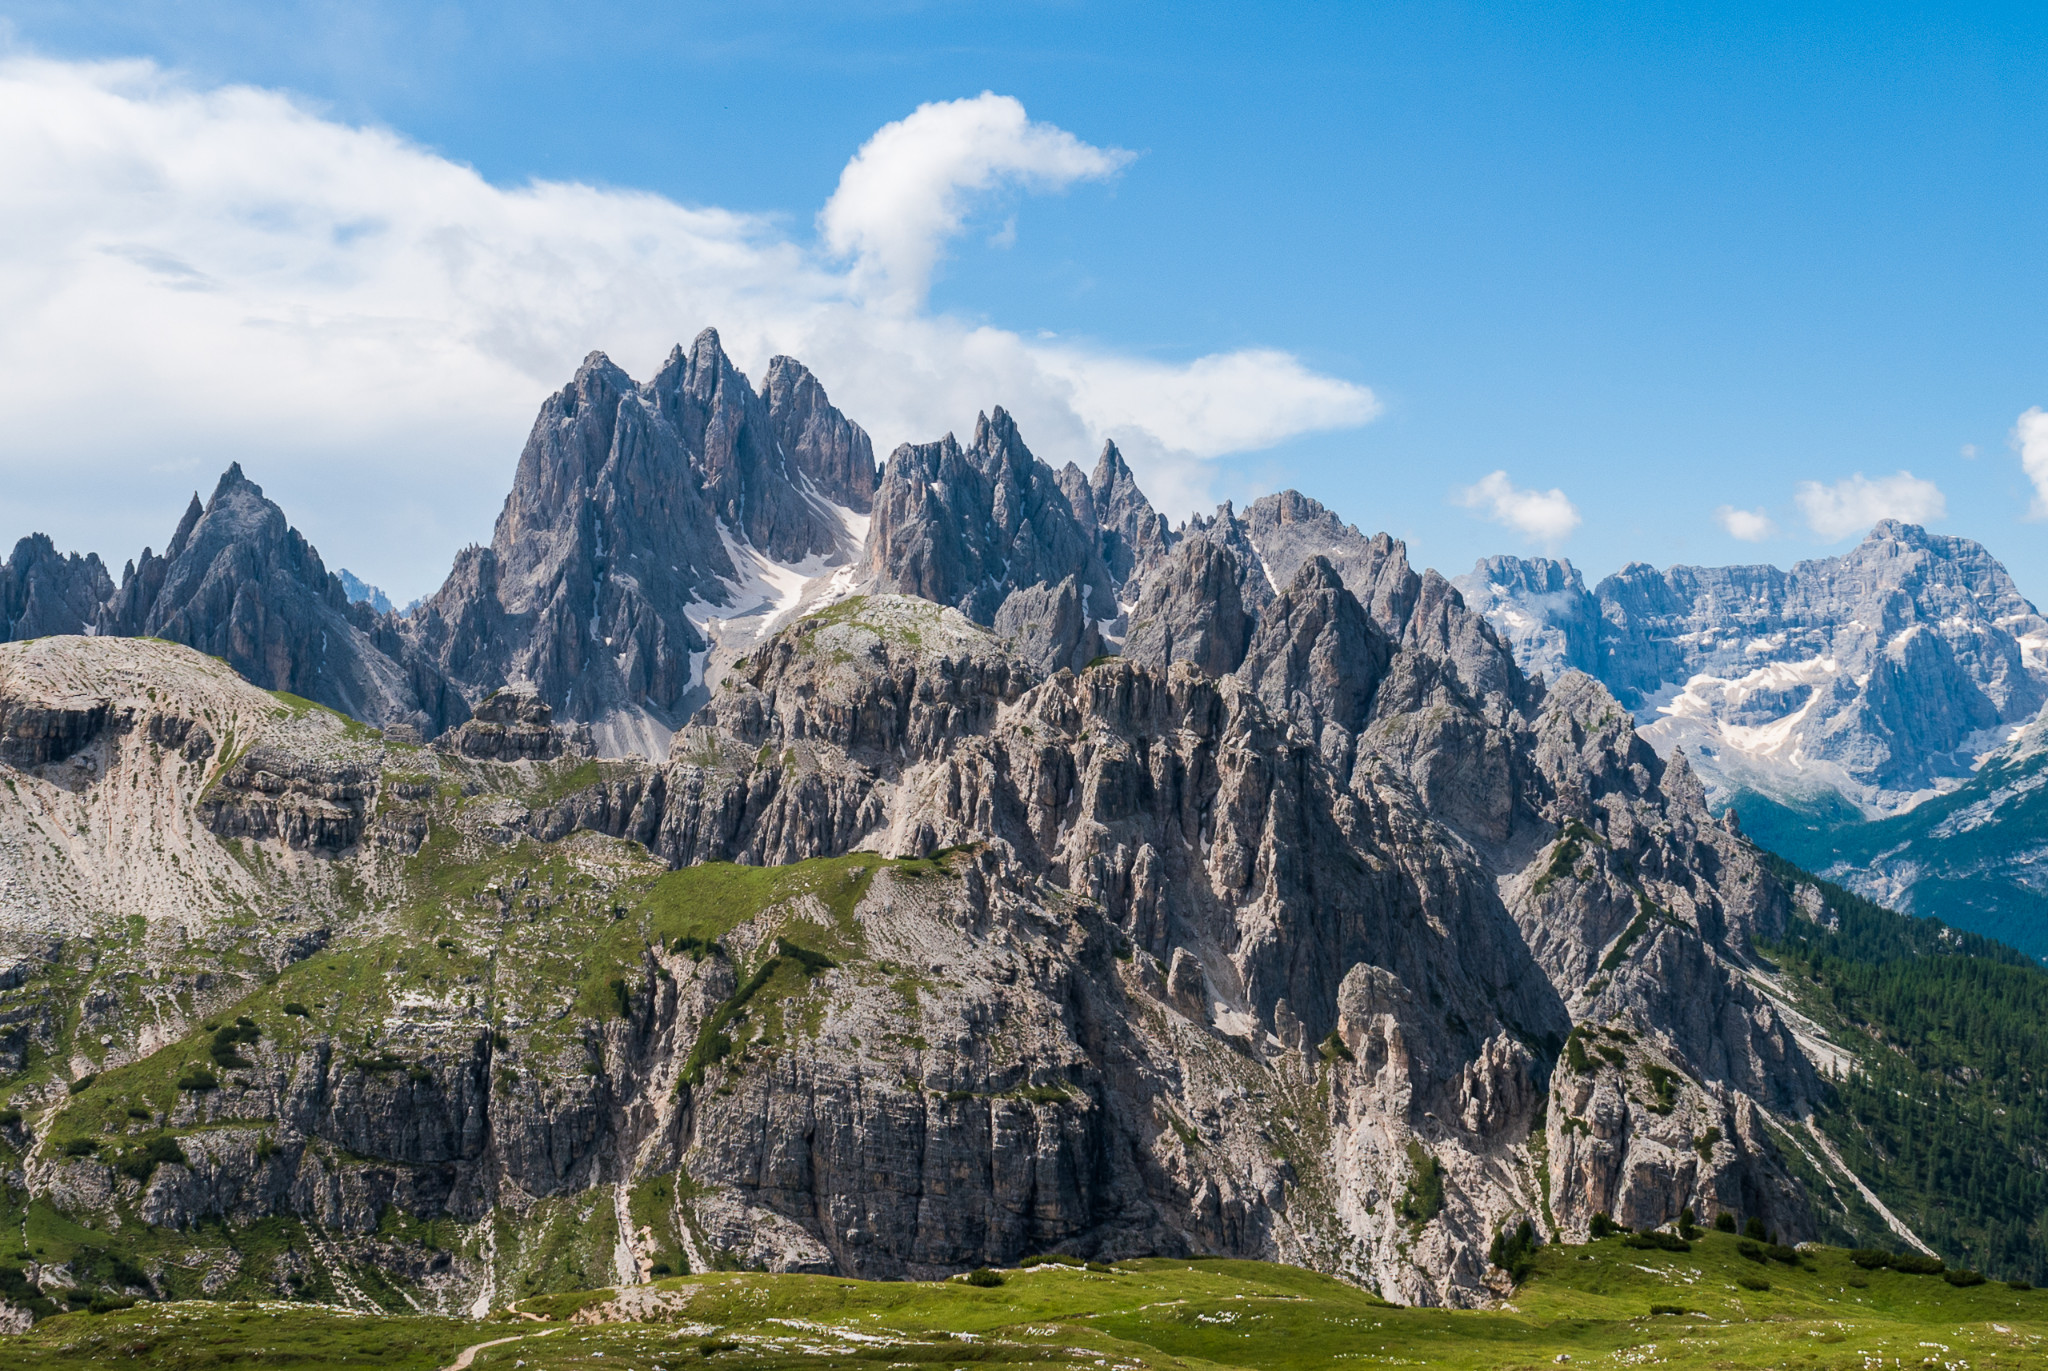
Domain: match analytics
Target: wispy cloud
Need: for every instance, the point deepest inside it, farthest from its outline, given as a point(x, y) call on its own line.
point(353, 315)
point(2030, 441)
point(1746, 525)
point(1544, 515)
point(906, 192)
point(1855, 503)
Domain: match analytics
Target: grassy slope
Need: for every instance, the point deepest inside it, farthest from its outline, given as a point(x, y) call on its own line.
point(1583, 1304)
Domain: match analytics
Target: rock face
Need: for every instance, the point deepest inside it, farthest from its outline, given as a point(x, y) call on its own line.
point(44, 592)
point(632, 505)
point(1541, 608)
point(830, 450)
point(1879, 676)
point(238, 582)
point(972, 527)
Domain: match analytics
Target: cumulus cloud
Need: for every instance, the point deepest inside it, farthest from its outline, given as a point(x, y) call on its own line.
point(1545, 515)
point(907, 191)
point(1748, 525)
point(2030, 441)
point(190, 276)
point(1852, 505)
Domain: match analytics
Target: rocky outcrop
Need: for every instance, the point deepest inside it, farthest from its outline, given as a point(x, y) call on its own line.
point(970, 527)
point(830, 450)
point(43, 592)
point(238, 582)
point(512, 726)
point(1192, 610)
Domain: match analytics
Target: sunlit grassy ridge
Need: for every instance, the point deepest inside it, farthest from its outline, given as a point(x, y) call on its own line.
point(1582, 1306)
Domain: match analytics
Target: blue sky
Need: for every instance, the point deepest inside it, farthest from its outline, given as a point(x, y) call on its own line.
point(1665, 260)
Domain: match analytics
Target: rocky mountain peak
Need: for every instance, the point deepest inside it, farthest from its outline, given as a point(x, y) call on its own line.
point(832, 451)
point(1878, 675)
point(1134, 536)
point(1541, 607)
point(43, 591)
point(237, 581)
point(973, 527)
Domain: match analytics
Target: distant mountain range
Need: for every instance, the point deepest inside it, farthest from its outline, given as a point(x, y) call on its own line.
point(1838, 707)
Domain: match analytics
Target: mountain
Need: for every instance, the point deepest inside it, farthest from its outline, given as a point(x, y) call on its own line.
point(640, 517)
point(1851, 685)
point(1975, 857)
point(238, 582)
point(44, 592)
point(360, 591)
point(886, 873)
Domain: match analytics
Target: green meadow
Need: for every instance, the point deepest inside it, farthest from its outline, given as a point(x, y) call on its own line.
point(1604, 1304)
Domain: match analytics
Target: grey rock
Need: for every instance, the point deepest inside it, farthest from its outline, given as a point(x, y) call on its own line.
point(831, 450)
point(43, 592)
point(1192, 610)
point(1881, 675)
point(969, 527)
point(1541, 608)
point(238, 582)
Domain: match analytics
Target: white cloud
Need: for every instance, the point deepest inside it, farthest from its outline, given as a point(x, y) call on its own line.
point(1545, 515)
point(193, 276)
point(906, 192)
point(1853, 504)
point(1748, 525)
point(2030, 441)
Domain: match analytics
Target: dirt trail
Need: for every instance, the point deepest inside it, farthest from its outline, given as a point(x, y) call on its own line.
point(468, 1354)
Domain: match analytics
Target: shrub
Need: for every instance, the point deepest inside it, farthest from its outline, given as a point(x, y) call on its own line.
point(1910, 1263)
point(1604, 1226)
point(1656, 1241)
point(1102, 1268)
point(198, 1078)
point(1664, 1085)
point(1754, 1230)
point(985, 1278)
point(9, 1117)
point(143, 1162)
point(83, 1083)
point(1963, 1277)
point(1704, 1145)
point(1752, 1282)
point(81, 1147)
point(1657, 1309)
point(294, 1007)
point(1724, 1222)
point(137, 1112)
point(2019, 1285)
point(1514, 1251)
point(1051, 1259)
point(1424, 1198)
point(227, 1040)
point(1748, 1249)
point(1575, 1055)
